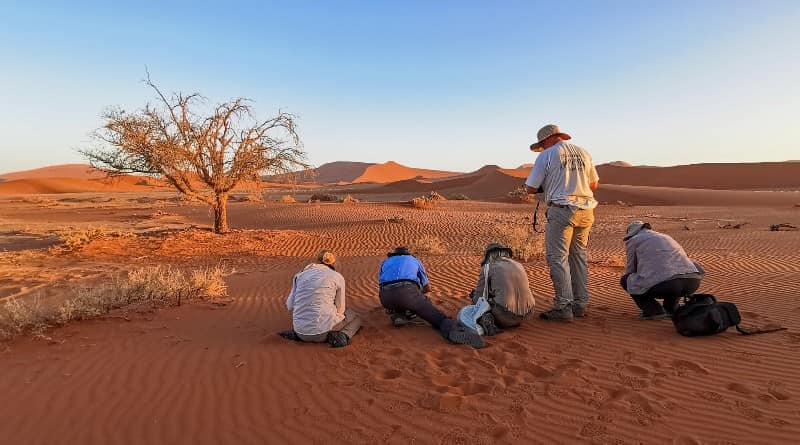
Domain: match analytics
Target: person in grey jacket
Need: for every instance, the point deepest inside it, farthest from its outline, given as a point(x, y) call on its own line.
point(506, 286)
point(657, 267)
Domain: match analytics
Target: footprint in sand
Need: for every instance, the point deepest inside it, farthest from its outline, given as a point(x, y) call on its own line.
point(472, 388)
point(740, 388)
point(685, 440)
point(682, 366)
point(390, 374)
point(778, 393)
point(637, 370)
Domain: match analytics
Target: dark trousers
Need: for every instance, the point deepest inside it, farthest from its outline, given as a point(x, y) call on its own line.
point(671, 291)
point(408, 296)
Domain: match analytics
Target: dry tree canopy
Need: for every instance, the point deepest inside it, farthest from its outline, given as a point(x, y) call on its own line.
point(203, 151)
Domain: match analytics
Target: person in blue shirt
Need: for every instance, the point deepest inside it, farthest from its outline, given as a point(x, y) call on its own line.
point(403, 283)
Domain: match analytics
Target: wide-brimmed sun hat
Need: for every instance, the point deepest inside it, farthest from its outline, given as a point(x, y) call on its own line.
point(545, 132)
point(635, 227)
point(399, 250)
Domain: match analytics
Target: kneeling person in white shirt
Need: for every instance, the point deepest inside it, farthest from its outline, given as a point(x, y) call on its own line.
point(317, 304)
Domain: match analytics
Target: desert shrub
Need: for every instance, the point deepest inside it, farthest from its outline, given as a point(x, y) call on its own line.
point(459, 197)
point(522, 194)
point(167, 285)
point(324, 197)
point(435, 196)
point(249, 197)
point(394, 219)
point(422, 202)
point(349, 200)
point(76, 239)
point(209, 282)
point(18, 316)
point(431, 244)
point(90, 302)
point(526, 244)
point(36, 200)
point(287, 199)
point(153, 285)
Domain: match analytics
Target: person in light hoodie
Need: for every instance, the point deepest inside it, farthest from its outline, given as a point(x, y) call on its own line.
point(657, 267)
point(317, 304)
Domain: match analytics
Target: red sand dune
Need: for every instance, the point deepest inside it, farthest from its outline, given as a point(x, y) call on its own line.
point(743, 176)
point(79, 171)
point(489, 182)
point(334, 172)
point(346, 172)
point(71, 185)
point(493, 183)
point(392, 171)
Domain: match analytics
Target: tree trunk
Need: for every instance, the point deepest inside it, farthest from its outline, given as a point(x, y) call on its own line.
point(221, 214)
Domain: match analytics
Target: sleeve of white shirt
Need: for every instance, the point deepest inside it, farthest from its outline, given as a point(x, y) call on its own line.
point(536, 177)
point(339, 299)
point(290, 299)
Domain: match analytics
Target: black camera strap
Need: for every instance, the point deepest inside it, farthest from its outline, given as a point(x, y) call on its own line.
point(536, 217)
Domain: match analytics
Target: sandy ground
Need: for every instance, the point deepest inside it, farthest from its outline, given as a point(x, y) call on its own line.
point(209, 374)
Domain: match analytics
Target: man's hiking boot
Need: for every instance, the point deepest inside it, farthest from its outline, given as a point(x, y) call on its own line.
point(338, 339)
point(578, 311)
point(463, 335)
point(656, 316)
point(563, 314)
point(487, 322)
point(290, 335)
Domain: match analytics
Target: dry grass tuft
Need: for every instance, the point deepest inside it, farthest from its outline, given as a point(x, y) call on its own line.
point(249, 197)
point(435, 196)
point(323, 197)
point(430, 244)
point(74, 240)
point(45, 202)
point(288, 199)
point(349, 200)
point(18, 316)
point(154, 286)
point(526, 244)
point(422, 202)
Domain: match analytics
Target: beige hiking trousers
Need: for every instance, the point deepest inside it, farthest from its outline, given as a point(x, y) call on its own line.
point(566, 237)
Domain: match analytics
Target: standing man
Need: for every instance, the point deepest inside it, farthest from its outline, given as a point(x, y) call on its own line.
point(566, 175)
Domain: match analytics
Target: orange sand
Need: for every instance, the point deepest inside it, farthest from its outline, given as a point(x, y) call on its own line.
point(79, 171)
point(207, 374)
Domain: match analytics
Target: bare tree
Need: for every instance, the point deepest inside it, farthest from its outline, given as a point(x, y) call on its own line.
point(202, 156)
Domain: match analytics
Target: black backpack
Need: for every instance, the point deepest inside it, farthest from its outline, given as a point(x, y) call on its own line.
point(702, 314)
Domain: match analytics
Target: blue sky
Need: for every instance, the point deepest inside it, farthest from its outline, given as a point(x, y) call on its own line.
point(438, 84)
